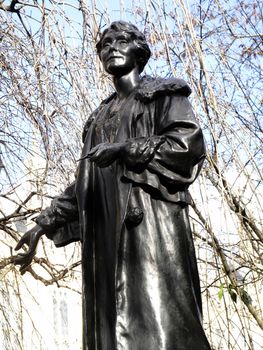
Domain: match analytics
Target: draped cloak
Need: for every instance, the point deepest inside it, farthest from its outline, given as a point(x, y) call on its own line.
point(140, 279)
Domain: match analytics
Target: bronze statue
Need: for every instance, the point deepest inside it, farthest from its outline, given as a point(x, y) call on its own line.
point(129, 207)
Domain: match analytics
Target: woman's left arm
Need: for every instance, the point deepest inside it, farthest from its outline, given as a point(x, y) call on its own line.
point(176, 151)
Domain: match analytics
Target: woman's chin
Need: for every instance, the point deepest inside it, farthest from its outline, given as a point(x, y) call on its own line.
point(117, 70)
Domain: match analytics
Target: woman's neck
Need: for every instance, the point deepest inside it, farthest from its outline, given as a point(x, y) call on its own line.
point(126, 83)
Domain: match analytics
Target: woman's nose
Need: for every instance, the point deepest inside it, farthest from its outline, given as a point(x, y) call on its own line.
point(113, 46)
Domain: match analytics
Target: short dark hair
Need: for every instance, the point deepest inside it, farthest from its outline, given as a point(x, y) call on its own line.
point(144, 51)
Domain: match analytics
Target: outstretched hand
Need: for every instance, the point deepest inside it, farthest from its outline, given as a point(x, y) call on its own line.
point(105, 154)
point(30, 238)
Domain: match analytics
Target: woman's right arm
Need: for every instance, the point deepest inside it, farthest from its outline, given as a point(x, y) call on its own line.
point(62, 211)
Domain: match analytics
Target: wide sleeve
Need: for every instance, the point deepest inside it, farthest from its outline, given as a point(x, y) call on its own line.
point(60, 219)
point(178, 157)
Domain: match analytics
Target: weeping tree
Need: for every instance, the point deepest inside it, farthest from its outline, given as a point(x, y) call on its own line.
point(51, 80)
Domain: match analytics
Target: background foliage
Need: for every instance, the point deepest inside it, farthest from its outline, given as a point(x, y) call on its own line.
point(50, 81)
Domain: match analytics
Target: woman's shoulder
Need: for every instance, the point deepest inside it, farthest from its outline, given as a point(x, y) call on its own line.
point(152, 88)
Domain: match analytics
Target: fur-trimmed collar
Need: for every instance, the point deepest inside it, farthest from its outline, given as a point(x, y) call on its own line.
point(150, 88)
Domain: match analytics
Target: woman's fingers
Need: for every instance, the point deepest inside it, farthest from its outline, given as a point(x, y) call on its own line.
point(24, 262)
point(19, 244)
point(24, 268)
point(24, 240)
point(96, 149)
point(30, 238)
point(27, 237)
point(23, 258)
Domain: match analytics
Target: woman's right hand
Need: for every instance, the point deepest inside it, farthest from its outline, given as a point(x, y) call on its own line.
point(31, 239)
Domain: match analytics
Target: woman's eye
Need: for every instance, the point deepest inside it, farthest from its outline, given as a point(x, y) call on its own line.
point(105, 45)
point(123, 41)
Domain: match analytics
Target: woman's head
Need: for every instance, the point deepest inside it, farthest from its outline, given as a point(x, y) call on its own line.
point(144, 52)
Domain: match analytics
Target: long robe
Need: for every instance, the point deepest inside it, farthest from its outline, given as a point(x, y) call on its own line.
point(140, 279)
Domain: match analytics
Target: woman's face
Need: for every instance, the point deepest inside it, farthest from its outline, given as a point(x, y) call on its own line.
point(118, 53)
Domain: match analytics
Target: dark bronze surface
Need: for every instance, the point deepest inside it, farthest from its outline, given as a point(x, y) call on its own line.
point(129, 207)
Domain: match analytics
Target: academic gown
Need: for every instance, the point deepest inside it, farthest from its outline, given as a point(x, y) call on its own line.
point(140, 279)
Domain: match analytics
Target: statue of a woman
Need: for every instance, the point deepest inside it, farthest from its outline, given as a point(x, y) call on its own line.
point(129, 207)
